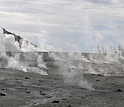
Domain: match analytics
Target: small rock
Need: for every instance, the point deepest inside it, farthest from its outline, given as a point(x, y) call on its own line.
point(27, 78)
point(82, 97)
point(27, 92)
point(64, 99)
point(119, 90)
point(2, 94)
point(55, 101)
point(40, 80)
point(69, 106)
point(42, 93)
point(2, 89)
point(97, 80)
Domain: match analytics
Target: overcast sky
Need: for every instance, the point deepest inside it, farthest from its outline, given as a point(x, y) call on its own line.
point(66, 25)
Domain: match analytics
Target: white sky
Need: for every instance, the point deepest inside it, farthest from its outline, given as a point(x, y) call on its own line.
point(66, 25)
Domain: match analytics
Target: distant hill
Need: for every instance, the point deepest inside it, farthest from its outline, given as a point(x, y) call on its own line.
point(20, 42)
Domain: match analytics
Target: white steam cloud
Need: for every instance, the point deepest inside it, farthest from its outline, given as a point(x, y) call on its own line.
point(27, 62)
point(71, 68)
point(7, 43)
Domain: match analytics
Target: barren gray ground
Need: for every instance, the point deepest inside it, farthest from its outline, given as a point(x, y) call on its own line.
point(20, 89)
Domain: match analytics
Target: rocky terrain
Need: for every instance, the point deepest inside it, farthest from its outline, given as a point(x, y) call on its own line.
point(49, 87)
point(23, 89)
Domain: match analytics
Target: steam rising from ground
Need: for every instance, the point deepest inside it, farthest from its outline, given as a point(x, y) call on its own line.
point(14, 64)
point(17, 61)
point(24, 62)
point(71, 68)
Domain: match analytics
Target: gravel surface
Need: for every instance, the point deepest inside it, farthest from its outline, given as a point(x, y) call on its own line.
point(21, 89)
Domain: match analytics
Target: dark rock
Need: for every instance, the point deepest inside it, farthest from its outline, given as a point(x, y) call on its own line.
point(99, 75)
point(2, 89)
point(2, 94)
point(64, 99)
point(27, 78)
point(42, 93)
point(97, 80)
point(27, 92)
point(69, 106)
point(82, 97)
point(55, 101)
point(40, 80)
point(119, 90)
